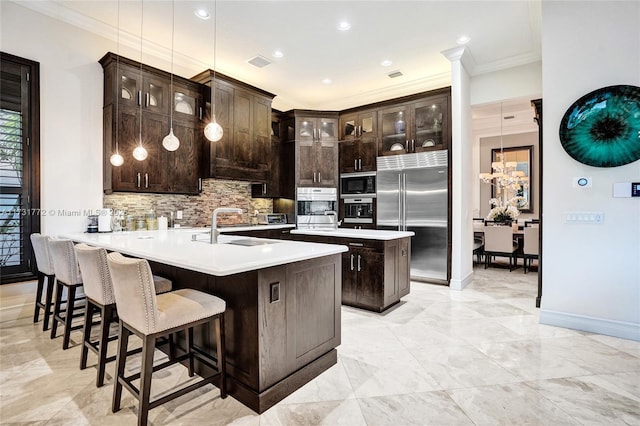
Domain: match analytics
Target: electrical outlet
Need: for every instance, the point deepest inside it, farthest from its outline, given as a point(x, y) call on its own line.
point(179, 215)
point(275, 292)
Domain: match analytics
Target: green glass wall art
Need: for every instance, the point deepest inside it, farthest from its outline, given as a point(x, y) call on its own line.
point(602, 128)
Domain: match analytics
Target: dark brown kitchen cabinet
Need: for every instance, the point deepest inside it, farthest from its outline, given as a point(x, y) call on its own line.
point(271, 188)
point(139, 106)
point(358, 142)
point(314, 135)
point(421, 124)
point(244, 112)
point(375, 273)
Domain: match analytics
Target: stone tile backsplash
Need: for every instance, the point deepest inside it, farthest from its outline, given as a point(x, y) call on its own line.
point(196, 209)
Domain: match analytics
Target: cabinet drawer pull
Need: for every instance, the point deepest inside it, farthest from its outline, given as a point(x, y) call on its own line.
point(352, 262)
point(359, 268)
point(146, 180)
point(137, 180)
point(356, 244)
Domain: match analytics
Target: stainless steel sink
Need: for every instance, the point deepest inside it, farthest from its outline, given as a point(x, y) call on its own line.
point(252, 242)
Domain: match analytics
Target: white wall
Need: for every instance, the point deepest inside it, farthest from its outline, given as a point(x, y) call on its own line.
point(516, 82)
point(591, 273)
point(70, 108)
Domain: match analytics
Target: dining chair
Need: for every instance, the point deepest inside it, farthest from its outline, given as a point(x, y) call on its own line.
point(498, 241)
point(478, 238)
point(531, 246)
point(68, 277)
point(150, 316)
point(98, 288)
point(46, 276)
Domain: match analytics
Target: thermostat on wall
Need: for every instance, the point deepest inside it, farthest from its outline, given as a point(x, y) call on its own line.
point(582, 182)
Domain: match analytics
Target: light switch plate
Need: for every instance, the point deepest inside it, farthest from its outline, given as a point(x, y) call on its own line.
point(584, 217)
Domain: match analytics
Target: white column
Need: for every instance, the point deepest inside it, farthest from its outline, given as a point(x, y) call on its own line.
point(461, 171)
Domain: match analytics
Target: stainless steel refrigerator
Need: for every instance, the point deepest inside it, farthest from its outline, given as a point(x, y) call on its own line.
point(412, 195)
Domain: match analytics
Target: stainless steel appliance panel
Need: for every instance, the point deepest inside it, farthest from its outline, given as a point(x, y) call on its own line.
point(413, 196)
point(388, 209)
point(429, 253)
point(425, 197)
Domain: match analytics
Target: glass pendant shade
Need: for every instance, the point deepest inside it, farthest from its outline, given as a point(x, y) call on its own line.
point(170, 142)
point(213, 131)
point(140, 153)
point(116, 160)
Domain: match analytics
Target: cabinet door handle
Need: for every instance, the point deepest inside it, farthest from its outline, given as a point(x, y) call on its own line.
point(200, 113)
point(147, 99)
point(146, 180)
point(138, 180)
point(352, 262)
point(355, 164)
point(199, 184)
point(359, 269)
point(264, 189)
point(360, 164)
point(413, 144)
point(139, 97)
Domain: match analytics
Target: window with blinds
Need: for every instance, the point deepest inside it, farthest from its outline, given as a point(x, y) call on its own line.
point(11, 182)
point(19, 166)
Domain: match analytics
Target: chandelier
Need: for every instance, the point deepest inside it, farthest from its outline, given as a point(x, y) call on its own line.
point(504, 175)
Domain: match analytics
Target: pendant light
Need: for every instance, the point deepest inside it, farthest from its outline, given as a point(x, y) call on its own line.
point(116, 159)
point(171, 142)
point(140, 153)
point(213, 131)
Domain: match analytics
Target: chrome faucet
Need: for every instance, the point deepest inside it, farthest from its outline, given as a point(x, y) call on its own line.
point(335, 217)
point(214, 221)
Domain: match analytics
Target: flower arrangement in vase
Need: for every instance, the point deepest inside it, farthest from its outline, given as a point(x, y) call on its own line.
point(504, 213)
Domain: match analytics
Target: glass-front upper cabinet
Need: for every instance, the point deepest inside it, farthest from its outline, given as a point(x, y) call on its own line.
point(142, 88)
point(313, 129)
point(184, 104)
point(393, 130)
point(430, 124)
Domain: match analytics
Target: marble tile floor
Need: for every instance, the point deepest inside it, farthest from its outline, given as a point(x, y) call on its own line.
point(441, 357)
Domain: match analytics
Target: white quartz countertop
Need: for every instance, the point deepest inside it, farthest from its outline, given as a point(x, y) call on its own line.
point(176, 247)
point(367, 234)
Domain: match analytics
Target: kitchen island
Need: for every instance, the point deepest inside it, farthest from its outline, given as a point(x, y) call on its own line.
point(282, 322)
point(375, 269)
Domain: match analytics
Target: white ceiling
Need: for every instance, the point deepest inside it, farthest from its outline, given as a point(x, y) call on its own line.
point(412, 34)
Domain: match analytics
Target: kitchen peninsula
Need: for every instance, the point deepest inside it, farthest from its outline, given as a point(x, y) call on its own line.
point(282, 321)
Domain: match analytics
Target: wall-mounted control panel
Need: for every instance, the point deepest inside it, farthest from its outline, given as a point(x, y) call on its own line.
point(626, 189)
point(584, 217)
point(582, 182)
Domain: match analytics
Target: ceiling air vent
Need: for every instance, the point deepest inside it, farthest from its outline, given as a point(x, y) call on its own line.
point(259, 61)
point(394, 74)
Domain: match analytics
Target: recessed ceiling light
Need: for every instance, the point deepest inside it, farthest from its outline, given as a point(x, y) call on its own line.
point(344, 26)
point(277, 54)
point(386, 63)
point(463, 39)
point(326, 80)
point(202, 14)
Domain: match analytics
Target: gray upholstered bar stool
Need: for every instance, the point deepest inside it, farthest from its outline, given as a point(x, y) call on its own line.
point(46, 274)
point(149, 317)
point(68, 277)
point(99, 291)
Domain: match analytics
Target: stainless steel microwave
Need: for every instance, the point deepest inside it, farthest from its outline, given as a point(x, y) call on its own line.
point(358, 184)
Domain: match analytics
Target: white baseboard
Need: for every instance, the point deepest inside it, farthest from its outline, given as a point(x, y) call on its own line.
point(455, 284)
point(624, 330)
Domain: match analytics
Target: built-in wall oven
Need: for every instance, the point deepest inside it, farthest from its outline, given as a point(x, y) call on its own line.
point(316, 207)
point(358, 200)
